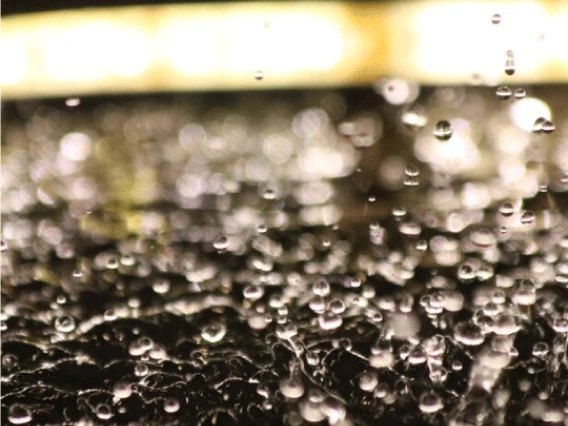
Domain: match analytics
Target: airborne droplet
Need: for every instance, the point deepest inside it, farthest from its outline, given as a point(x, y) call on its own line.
point(510, 63)
point(496, 19)
point(503, 93)
point(443, 130)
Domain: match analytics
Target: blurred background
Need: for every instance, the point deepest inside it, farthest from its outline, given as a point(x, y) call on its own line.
point(289, 213)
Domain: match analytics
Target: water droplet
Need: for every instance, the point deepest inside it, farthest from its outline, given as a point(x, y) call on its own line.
point(411, 170)
point(103, 412)
point(291, 388)
point(321, 288)
point(261, 228)
point(122, 390)
point(161, 286)
point(214, 333)
point(3, 246)
point(259, 74)
point(548, 127)
point(520, 93)
point(141, 369)
point(253, 292)
point(368, 381)
point(469, 334)
point(540, 349)
point(414, 119)
point(269, 194)
point(503, 93)
point(64, 324)
point(537, 126)
point(337, 306)
point(466, 272)
point(221, 243)
point(496, 19)
point(443, 130)
point(171, 405)
point(506, 209)
point(329, 321)
point(112, 263)
point(430, 403)
point(527, 217)
point(510, 63)
point(19, 415)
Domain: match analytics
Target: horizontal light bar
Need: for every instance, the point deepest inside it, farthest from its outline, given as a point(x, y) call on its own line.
point(276, 45)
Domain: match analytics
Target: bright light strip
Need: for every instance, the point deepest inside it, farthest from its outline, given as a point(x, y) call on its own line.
point(293, 44)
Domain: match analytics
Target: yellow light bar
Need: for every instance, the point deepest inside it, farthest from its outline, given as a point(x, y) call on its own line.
point(277, 45)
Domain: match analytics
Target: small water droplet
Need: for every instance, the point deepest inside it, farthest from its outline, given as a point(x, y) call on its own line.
point(161, 286)
point(103, 412)
point(368, 381)
point(468, 334)
point(259, 75)
point(414, 119)
point(291, 388)
point(510, 63)
point(214, 333)
point(221, 243)
point(430, 403)
point(520, 93)
point(506, 209)
point(3, 246)
point(527, 217)
point(64, 324)
point(171, 405)
point(496, 19)
point(443, 130)
point(548, 127)
point(141, 369)
point(503, 93)
point(122, 390)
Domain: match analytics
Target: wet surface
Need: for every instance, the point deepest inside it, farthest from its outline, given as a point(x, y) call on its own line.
point(326, 258)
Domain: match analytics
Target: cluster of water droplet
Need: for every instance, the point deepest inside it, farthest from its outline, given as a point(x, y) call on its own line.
point(163, 264)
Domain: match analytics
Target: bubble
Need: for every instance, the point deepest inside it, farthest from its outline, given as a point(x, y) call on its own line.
point(291, 388)
point(171, 405)
point(368, 381)
point(496, 19)
point(430, 402)
point(457, 365)
point(414, 119)
point(527, 217)
point(64, 324)
point(221, 243)
point(214, 333)
point(122, 390)
point(520, 93)
point(19, 415)
point(443, 130)
point(510, 63)
point(259, 75)
point(103, 412)
point(468, 334)
point(503, 93)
